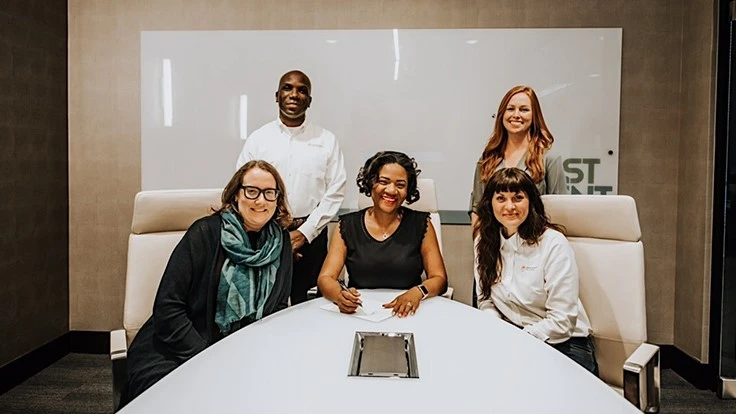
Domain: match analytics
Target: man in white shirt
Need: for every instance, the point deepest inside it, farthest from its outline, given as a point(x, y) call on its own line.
point(311, 164)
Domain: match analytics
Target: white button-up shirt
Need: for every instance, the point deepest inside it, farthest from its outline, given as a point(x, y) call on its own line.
point(538, 290)
point(310, 162)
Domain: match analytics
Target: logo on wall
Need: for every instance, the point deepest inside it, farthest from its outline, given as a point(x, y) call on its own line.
point(580, 176)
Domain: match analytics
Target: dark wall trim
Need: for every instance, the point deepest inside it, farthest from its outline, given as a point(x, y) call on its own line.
point(698, 374)
point(30, 364)
point(22, 368)
point(89, 342)
point(455, 217)
point(447, 217)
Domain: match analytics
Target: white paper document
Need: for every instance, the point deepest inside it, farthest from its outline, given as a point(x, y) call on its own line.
point(370, 310)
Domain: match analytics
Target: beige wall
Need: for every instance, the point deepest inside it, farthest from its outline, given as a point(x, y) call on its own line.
point(695, 189)
point(104, 110)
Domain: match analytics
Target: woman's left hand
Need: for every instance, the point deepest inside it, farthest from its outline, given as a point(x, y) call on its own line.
point(405, 304)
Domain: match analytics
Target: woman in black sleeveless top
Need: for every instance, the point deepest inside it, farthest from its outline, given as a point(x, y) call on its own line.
point(387, 245)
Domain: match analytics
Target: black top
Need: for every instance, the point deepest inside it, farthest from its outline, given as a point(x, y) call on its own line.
point(394, 263)
point(183, 320)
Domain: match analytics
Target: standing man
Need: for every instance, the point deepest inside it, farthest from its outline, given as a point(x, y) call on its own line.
point(311, 164)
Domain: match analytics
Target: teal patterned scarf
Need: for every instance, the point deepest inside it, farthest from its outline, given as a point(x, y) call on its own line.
point(248, 273)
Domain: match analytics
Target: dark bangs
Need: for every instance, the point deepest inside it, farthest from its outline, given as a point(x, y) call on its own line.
point(512, 180)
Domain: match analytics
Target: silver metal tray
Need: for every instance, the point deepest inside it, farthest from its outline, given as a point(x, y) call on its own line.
point(384, 354)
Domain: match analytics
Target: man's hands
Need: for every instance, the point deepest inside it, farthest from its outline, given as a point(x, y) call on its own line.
point(297, 241)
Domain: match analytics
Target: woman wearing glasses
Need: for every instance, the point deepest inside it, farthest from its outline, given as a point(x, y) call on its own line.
point(229, 270)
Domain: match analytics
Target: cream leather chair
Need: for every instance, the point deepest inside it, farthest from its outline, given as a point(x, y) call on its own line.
point(605, 235)
point(427, 203)
point(160, 219)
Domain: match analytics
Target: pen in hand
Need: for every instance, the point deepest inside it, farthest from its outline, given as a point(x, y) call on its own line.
point(344, 287)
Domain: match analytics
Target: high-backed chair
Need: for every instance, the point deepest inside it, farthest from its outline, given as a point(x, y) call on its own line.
point(427, 203)
point(160, 219)
point(605, 235)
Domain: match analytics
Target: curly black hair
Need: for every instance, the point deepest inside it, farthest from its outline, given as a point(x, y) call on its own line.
point(368, 174)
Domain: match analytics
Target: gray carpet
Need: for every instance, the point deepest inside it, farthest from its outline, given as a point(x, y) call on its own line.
point(77, 383)
point(81, 383)
point(678, 396)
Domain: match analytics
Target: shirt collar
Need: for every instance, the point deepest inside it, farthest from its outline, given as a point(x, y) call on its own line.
point(512, 243)
point(286, 129)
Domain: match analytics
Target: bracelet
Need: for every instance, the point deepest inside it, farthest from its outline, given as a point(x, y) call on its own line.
point(424, 290)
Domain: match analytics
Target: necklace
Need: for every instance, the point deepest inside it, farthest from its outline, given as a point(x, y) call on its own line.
point(385, 233)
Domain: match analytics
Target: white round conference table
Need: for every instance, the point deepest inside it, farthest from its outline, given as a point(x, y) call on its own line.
point(297, 361)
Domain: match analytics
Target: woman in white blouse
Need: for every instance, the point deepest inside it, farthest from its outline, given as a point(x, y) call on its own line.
point(525, 268)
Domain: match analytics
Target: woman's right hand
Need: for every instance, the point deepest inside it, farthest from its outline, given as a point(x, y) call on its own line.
point(348, 300)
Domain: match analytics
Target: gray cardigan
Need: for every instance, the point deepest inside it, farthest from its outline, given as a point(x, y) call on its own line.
point(553, 183)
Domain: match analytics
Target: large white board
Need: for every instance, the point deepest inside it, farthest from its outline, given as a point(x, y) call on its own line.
point(429, 93)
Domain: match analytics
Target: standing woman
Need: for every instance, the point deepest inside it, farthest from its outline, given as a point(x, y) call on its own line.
point(525, 268)
point(520, 139)
point(386, 245)
point(229, 270)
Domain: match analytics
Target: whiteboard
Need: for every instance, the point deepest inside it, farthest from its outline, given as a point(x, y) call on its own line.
point(429, 93)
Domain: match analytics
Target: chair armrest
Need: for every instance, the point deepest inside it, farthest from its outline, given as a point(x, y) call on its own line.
point(448, 293)
point(641, 378)
point(119, 359)
point(118, 345)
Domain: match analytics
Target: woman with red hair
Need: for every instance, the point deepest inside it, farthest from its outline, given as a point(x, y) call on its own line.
point(520, 139)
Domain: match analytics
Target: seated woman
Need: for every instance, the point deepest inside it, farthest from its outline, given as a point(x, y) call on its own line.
point(387, 245)
point(525, 268)
point(242, 251)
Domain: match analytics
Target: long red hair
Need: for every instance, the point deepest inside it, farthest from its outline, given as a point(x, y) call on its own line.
point(540, 139)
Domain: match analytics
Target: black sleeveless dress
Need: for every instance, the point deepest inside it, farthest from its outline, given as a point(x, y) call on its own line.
point(394, 263)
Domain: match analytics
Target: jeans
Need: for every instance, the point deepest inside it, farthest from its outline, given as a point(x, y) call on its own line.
point(580, 350)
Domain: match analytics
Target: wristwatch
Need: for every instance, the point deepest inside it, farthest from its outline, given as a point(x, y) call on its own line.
point(425, 291)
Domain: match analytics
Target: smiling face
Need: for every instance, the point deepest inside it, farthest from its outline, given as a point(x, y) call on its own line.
point(511, 210)
point(517, 117)
point(256, 213)
point(390, 188)
point(293, 97)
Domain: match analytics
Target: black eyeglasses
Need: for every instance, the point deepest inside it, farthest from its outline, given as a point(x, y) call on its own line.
point(252, 193)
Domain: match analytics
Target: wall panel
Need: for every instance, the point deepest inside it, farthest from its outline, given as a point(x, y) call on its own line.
point(695, 186)
point(34, 269)
point(105, 114)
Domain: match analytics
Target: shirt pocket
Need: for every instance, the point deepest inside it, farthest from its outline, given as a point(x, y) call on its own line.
point(315, 165)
